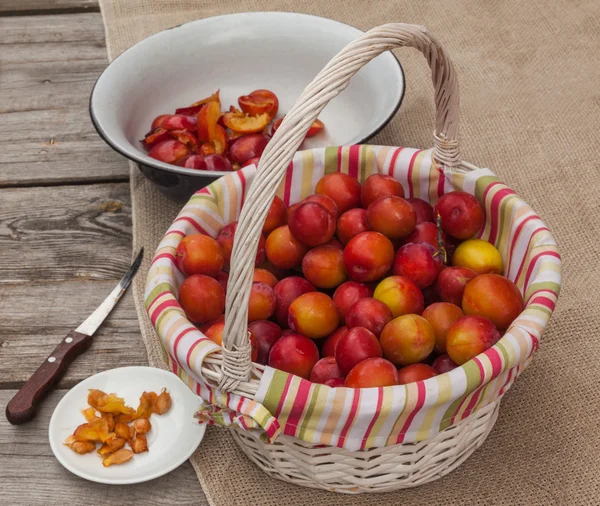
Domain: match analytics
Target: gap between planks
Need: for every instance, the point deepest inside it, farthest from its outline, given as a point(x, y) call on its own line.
point(46, 7)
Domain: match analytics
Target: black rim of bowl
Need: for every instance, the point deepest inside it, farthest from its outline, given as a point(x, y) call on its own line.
point(215, 174)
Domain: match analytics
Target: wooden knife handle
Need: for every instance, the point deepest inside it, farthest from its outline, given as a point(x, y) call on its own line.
point(23, 405)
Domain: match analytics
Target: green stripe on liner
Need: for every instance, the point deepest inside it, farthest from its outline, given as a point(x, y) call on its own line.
point(473, 380)
point(362, 166)
point(204, 196)
point(275, 391)
point(331, 160)
point(505, 355)
point(550, 286)
point(532, 311)
point(215, 187)
point(218, 189)
point(314, 399)
point(163, 287)
point(261, 416)
point(482, 183)
point(367, 163)
point(502, 211)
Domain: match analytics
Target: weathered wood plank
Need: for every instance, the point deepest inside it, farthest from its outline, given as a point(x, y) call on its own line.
point(36, 7)
point(36, 316)
point(49, 65)
point(65, 232)
point(30, 475)
point(51, 33)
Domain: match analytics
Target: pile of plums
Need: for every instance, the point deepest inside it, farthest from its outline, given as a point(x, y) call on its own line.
point(357, 286)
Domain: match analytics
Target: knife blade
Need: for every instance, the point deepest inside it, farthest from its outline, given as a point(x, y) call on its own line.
point(23, 406)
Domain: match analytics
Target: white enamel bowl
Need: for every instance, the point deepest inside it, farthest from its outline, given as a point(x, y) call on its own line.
point(237, 54)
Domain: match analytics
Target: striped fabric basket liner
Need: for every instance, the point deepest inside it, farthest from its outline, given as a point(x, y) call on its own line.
point(341, 439)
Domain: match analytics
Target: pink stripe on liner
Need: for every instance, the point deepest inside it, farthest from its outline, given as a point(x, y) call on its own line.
point(272, 427)
point(525, 257)
point(473, 402)
point(485, 194)
point(496, 361)
point(228, 401)
point(480, 367)
point(353, 161)
point(298, 407)
point(542, 301)
point(160, 308)
point(393, 161)
point(494, 210)
point(374, 419)
point(535, 344)
point(193, 223)
point(441, 183)
point(339, 158)
point(176, 232)
point(240, 405)
point(243, 183)
point(170, 256)
point(487, 190)
point(503, 389)
point(286, 389)
point(420, 401)
point(351, 416)
point(534, 261)
point(180, 336)
point(411, 192)
point(516, 235)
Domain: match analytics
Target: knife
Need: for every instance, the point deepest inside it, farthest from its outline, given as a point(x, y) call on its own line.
point(23, 405)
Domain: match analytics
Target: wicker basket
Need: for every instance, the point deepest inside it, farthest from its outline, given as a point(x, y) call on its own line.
point(228, 380)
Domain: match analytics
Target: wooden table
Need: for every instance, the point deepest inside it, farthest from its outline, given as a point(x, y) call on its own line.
point(65, 240)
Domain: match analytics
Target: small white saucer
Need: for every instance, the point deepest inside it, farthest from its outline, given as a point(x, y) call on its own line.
point(175, 435)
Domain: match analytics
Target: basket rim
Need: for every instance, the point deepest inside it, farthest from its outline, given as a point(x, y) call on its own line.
point(248, 172)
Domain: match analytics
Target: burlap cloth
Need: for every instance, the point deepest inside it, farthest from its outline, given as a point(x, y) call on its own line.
point(529, 74)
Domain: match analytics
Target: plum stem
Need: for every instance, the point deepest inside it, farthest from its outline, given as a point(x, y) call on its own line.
point(440, 240)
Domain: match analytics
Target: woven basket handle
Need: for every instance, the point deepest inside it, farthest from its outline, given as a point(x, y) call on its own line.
point(236, 366)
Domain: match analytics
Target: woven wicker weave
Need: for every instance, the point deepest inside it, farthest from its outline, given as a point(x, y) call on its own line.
point(374, 470)
point(231, 370)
